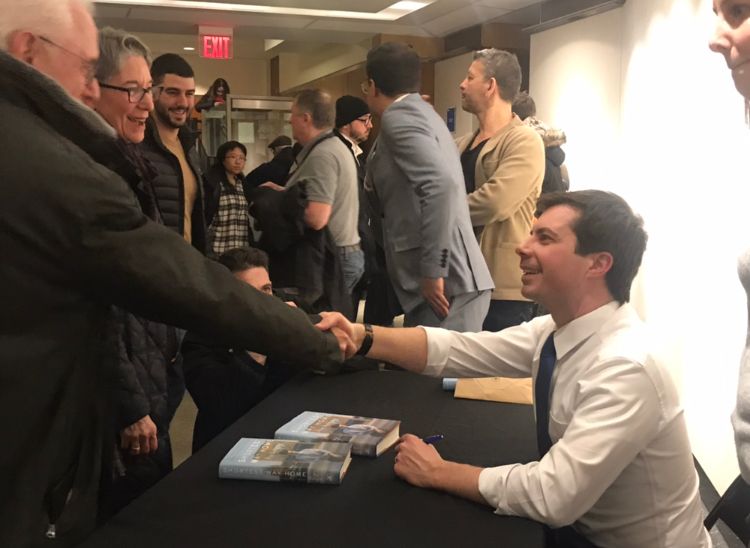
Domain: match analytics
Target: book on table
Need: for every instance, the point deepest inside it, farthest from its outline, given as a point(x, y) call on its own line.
point(286, 460)
point(368, 436)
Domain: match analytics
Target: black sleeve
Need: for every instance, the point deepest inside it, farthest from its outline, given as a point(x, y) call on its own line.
point(120, 257)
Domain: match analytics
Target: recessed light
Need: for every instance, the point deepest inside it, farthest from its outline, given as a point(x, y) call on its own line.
point(188, 48)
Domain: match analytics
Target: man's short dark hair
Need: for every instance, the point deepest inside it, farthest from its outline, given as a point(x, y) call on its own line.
point(524, 106)
point(503, 66)
point(318, 104)
point(605, 223)
point(240, 259)
point(395, 68)
point(170, 63)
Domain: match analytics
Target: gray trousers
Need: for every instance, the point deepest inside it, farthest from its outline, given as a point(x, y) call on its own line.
point(466, 313)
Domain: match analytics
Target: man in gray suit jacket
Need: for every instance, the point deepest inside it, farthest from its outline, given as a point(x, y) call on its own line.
point(432, 255)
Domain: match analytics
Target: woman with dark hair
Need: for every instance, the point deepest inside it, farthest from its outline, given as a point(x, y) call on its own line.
point(732, 40)
point(227, 215)
point(215, 96)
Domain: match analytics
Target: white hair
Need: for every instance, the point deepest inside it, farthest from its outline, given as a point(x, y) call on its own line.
point(45, 17)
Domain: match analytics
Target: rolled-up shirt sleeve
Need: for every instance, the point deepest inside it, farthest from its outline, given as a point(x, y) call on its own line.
point(617, 415)
point(508, 353)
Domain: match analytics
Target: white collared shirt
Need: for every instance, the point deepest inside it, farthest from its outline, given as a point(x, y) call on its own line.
point(621, 466)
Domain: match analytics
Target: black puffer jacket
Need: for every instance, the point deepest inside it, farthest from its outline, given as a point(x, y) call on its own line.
point(168, 184)
point(148, 380)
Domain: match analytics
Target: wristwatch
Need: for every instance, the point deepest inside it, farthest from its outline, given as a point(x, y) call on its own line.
point(366, 342)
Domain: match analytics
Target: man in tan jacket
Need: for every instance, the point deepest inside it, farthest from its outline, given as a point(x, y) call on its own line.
point(503, 165)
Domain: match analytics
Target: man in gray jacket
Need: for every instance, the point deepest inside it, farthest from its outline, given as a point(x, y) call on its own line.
point(432, 255)
point(68, 228)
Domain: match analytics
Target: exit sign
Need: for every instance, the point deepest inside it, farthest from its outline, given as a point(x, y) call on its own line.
point(215, 42)
point(216, 47)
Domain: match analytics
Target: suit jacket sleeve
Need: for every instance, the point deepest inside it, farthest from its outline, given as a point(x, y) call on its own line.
point(118, 256)
point(416, 153)
point(518, 173)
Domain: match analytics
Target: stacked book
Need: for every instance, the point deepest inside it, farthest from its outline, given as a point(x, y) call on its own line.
point(311, 448)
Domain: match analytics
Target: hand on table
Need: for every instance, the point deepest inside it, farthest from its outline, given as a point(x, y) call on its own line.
point(140, 437)
point(416, 461)
point(433, 290)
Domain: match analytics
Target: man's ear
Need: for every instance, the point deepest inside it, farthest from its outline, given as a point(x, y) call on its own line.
point(22, 45)
point(601, 263)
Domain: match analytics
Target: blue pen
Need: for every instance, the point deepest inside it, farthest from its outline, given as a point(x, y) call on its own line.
point(433, 439)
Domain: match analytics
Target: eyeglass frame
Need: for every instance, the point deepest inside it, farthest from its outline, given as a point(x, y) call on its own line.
point(366, 120)
point(88, 64)
point(129, 91)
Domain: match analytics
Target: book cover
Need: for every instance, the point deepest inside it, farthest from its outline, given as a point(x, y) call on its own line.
point(368, 436)
point(286, 460)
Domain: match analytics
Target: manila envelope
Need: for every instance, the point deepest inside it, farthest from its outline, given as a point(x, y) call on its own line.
point(500, 389)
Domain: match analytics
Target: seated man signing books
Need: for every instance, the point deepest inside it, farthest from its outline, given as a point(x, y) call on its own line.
point(615, 467)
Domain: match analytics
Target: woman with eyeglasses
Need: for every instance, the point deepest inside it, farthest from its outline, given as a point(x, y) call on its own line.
point(146, 378)
point(732, 40)
point(227, 215)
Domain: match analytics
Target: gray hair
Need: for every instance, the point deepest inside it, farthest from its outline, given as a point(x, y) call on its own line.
point(319, 105)
point(503, 66)
point(116, 45)
point(48, 18)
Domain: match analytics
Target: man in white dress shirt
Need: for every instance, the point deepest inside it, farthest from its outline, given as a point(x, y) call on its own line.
point(619, 472)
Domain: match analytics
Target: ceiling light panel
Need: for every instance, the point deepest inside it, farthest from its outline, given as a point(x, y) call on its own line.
point(391, 13)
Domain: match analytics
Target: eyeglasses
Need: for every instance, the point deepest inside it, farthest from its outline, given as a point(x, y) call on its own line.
point(365, 87)
point(135, 93)
point(87, 65)
point(366, 120)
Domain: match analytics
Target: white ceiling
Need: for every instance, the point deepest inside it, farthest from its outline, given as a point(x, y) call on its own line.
point(438, 19)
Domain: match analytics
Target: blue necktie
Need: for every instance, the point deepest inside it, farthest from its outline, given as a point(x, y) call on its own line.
point(547, 360)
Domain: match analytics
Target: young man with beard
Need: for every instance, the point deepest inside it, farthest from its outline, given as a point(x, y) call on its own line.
point(170, 147)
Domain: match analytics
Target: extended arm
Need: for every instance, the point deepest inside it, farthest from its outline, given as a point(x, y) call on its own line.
point(119, 255)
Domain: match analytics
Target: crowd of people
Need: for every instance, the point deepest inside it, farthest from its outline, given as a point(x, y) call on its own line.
point(131, 274)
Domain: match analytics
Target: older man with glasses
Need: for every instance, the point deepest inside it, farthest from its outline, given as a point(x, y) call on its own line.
point(75, 243)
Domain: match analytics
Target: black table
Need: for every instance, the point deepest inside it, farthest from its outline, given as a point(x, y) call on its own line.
point(372, 507)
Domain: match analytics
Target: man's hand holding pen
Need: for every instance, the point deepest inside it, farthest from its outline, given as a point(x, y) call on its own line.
point(417, 460)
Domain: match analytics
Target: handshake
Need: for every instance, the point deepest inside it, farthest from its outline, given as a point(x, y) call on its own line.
point(349, 335)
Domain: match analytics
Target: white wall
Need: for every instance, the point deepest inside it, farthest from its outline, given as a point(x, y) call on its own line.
point(651, 114)
point(296, 69)
point(449, 73)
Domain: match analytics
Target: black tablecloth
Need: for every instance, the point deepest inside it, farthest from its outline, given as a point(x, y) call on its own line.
point(372, 507)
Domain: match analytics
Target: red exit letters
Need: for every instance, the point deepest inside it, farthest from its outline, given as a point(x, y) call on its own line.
point(217, 47)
